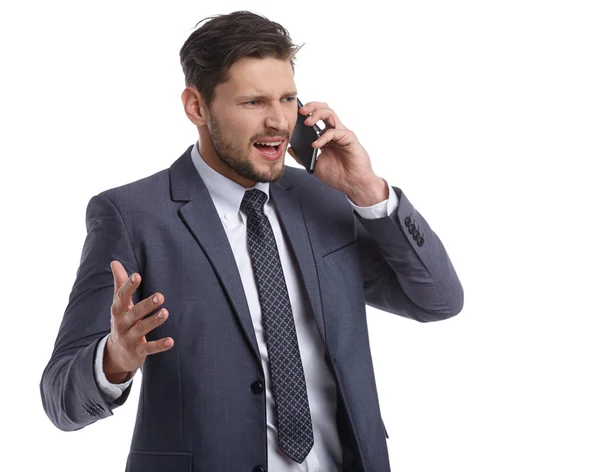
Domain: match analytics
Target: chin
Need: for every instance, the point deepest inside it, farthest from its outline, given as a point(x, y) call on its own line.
point(273, 172)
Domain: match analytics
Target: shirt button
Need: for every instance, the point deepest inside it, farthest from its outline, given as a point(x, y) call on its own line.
point(227, 216)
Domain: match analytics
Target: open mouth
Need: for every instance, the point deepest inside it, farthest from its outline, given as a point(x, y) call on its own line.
point(268, 150)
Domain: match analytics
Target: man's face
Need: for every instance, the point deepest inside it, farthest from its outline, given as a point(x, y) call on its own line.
point(258, 102)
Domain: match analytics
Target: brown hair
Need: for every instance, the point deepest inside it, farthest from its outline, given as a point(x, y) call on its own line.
point(212, 49)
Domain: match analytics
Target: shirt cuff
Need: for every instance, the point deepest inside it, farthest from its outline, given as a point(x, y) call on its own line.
point(379, 210)
point(111, 391)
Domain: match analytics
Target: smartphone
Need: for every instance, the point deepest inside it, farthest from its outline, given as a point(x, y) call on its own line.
point(301, 141)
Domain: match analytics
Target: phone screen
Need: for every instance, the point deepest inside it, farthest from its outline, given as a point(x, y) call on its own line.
point(301, 141)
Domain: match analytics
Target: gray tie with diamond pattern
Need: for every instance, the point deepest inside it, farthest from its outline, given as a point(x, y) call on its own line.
point(295, 434)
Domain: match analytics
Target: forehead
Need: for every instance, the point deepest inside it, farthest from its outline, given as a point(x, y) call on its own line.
point(256, 76)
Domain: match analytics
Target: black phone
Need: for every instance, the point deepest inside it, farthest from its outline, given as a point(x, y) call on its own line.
point(301, 141)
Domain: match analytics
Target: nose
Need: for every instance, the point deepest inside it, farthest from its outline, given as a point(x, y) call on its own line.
point(277, 118)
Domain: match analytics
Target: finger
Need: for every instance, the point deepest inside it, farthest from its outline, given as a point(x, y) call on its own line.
point(143, 327)
point(143, 308)
point(310, 107)
point(153, 347)
point(342, 137)
point(119, 275)
point(327, 115)
point(122, 301)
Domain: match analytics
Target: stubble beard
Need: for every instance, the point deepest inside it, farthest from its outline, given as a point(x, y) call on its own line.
point(239, 160)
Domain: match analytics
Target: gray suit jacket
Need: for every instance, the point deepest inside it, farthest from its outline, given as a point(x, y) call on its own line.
point(197, 410)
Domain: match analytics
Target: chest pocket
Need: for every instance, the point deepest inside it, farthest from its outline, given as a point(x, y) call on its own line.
point(339, 255)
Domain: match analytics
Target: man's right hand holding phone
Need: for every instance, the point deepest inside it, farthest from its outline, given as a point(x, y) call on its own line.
point(126, 346)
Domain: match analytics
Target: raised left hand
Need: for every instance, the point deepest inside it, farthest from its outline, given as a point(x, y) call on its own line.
point(343, 163)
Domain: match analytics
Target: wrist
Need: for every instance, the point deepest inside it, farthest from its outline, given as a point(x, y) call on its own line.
point(372, 191)
point(118, 377)
point(113, 373)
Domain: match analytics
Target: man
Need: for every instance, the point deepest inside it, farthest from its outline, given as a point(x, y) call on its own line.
point(262, 359)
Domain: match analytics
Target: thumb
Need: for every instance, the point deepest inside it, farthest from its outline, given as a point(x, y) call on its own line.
point(119, 275)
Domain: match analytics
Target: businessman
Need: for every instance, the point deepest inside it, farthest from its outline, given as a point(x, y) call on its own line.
point(238, 285)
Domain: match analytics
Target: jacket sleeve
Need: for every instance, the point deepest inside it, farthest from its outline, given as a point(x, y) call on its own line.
point(70, 394)
point(406, 269)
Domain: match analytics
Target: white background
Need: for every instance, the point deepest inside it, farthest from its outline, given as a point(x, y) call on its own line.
point(485, 113)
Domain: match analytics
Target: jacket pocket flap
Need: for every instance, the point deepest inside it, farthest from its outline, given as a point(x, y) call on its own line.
point(150, 461)
point(338, 255)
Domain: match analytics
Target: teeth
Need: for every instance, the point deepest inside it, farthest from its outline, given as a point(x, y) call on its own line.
point(270, 144)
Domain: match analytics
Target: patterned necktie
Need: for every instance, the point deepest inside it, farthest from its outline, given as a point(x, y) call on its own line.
point(295, 434)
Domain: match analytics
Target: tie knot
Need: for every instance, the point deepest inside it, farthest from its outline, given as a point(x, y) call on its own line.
point(254, 200)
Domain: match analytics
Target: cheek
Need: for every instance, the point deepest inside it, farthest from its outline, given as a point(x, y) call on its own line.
point(244, 132)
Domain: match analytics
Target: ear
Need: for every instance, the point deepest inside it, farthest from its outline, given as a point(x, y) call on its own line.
point(194, 107)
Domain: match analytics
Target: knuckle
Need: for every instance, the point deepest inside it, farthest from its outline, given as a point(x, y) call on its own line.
point(145, 327)
point(149, 348)
point(138, 328)
point(140, 350)
point(157, 346)
point(113, 324)
point(115, 321)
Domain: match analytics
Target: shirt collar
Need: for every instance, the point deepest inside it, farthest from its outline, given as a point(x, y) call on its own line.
point(227, 195)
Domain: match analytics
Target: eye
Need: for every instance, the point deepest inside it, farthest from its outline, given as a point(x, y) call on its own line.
point(289, 99)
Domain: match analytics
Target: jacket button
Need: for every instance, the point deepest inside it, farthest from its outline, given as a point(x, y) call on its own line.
point(256, 387)
point(407, 221)
point(259, 468)
point(411, 228)
point(421, 241)
point(416, 236)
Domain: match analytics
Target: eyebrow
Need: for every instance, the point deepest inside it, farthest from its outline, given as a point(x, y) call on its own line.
point(257, 96)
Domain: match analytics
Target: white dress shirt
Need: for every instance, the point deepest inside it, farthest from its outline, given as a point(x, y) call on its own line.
point(326, 454)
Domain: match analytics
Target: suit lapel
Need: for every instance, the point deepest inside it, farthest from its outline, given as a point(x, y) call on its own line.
point(291, 214)
point(202, 219)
